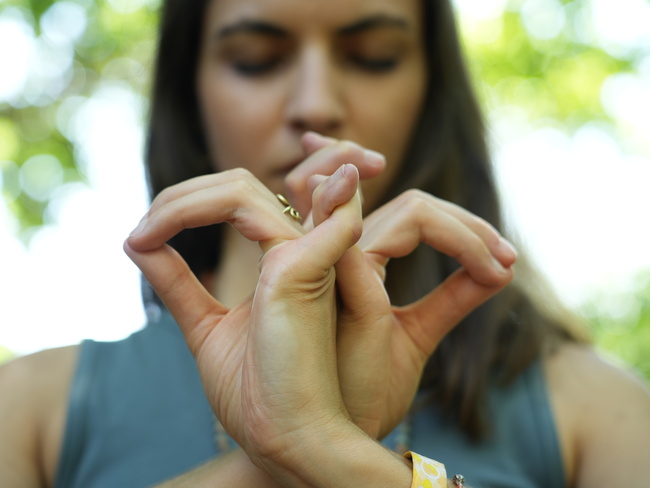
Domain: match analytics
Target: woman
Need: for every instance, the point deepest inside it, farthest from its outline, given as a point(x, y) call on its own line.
point(241, 84)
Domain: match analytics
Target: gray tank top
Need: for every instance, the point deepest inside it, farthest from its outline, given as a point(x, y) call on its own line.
point(137, 416)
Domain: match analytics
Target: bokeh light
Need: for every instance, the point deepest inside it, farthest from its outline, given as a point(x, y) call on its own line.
point(566, 85)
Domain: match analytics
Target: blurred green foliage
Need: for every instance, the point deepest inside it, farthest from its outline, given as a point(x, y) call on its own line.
point(621, 325)
point(556, 80)
point(5, 355)
point(108, 42)
point(555, 77)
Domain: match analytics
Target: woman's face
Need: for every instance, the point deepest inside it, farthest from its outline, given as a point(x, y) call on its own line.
point(271, 70)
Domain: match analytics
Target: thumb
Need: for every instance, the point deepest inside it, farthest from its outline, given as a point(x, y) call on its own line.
point(337, 219)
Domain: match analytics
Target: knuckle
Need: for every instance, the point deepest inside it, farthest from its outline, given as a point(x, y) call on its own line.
point(485, 229)
point(243, 185)
point(165, 195)
point(416, 194)
point(482, 224)
point(356, 230)
point(472, 247)
point(349, 151)
point(240, 173)
point(415, 200)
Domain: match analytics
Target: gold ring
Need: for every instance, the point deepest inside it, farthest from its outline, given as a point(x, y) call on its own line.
point(288, 209)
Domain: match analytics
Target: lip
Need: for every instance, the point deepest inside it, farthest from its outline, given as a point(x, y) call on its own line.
point(290, 166)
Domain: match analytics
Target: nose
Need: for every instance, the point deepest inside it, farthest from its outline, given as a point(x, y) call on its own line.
point(315, 97)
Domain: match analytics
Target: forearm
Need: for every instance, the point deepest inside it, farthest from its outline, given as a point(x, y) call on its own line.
point(358, 465)
point(231, 470)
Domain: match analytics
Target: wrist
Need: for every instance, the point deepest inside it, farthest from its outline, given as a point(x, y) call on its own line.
point(340, 455)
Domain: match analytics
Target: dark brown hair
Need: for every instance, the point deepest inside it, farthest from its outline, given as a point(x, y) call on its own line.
point(447, 157)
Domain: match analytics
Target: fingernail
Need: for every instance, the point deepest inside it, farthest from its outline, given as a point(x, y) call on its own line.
point(340, 173)
point(140, 227)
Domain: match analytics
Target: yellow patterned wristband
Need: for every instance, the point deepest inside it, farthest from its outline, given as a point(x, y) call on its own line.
point(427, 473)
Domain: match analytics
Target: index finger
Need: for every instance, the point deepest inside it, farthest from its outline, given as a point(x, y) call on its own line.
point(234, 196)
point(326, 156)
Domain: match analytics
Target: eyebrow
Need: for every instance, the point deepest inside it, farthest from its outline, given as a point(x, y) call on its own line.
point(251, 27)
point(374, 22)
point(265, 28)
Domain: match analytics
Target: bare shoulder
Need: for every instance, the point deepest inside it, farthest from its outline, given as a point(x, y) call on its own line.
point(586, 372)
point(603, 417)
point(33, 401)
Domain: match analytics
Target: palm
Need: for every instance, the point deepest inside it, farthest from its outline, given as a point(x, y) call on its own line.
point(407, 362)
point(247, 356)
point(382, 349)
point(219, 356)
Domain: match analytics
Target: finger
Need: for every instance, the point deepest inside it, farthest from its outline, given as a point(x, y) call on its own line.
point(293, 316)
point(186, 187)
point(312, 184)
point(354, 275)
point(313, 141)
point(235, 197)
point(180, 290)
point(429, 319)
point(365, 316)
point(314, 181)
point(332, 191)
point(326, 206)
point(500, 248)
point(363, 340)
point(398, 227)
point(326, 160)
point(338, 222)
point(337, 214)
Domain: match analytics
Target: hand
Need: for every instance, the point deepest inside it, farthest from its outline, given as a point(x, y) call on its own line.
point(382, 349)
point(268, 366)
point(371, 329)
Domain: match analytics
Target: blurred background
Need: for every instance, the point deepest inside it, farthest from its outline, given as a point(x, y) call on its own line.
point(565, 85)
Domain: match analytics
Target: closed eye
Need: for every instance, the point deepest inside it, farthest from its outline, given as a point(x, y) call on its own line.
point(256, 68)
point(374, 65)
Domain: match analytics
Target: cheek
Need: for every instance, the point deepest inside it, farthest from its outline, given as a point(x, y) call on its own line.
point(397, 115)
point(238, 121)
point(388, 128)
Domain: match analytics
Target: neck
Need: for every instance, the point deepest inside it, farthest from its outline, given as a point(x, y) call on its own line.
point(237, 275)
